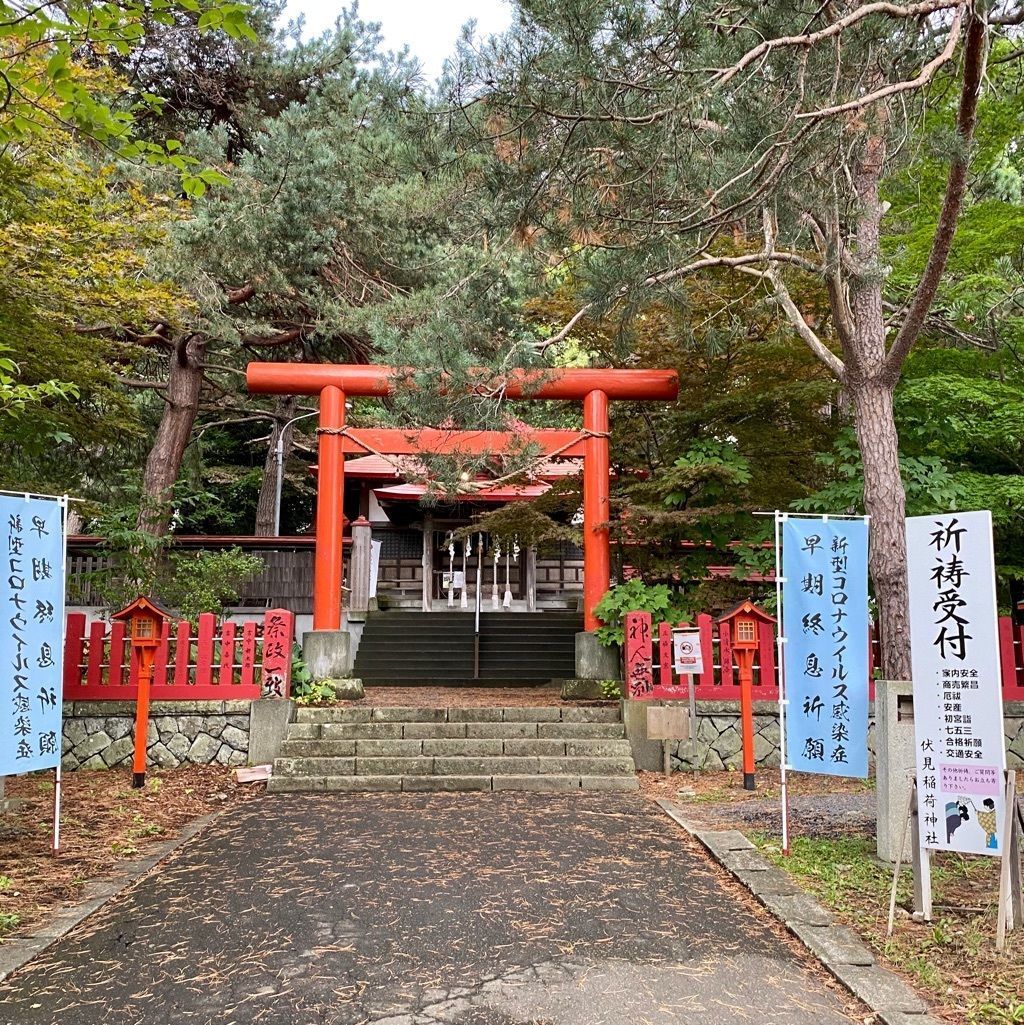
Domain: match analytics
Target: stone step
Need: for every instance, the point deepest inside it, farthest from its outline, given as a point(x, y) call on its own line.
point(452, 765)
point(392, 714)
point(564, 731)
point(453, 746)
point(419, 784)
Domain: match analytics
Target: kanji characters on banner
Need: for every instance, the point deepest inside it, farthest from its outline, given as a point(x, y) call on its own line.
point(825, 624)
point(32, 598)
point(958, 704)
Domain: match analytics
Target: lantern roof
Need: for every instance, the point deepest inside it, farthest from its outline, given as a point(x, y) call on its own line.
point(145, 606)
point(745, 608)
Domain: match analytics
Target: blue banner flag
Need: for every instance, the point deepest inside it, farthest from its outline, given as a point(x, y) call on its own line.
point(825, 624)
point(32, 599)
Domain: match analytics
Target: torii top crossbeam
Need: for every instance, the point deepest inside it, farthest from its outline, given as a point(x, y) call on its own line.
point(333, 382)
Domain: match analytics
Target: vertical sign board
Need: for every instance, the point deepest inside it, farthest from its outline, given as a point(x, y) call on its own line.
point(31, 655)
point(958, 704)
point(639, 655)
point(825, 625)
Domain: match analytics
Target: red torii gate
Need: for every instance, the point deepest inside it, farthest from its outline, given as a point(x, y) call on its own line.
point(333, 382)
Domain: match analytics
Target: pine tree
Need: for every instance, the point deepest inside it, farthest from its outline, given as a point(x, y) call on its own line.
point(649, 143)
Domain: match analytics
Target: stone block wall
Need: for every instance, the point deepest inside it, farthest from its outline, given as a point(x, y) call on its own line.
point(1013, 727)
point(719, 742)
point(99, 734)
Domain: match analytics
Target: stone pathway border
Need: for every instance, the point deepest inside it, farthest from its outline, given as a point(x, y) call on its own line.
point(838, 948)
point(15, 953)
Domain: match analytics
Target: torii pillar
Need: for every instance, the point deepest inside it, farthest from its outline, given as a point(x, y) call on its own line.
point(326, 647)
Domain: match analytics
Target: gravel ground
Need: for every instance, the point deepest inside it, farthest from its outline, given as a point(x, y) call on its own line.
point(825, 815)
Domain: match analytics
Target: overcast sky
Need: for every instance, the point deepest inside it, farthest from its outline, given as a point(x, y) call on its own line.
point(429, 27)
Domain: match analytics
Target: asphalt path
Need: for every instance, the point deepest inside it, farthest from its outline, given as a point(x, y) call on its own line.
point(463, 909)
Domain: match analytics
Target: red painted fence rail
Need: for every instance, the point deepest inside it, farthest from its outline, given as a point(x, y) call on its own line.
point(216, 663)
point(720, 679)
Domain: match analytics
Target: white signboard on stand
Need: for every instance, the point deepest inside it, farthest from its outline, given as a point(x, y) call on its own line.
point(958, 704)
point(687, 655)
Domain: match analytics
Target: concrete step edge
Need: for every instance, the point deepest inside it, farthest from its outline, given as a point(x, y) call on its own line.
point(563, 783)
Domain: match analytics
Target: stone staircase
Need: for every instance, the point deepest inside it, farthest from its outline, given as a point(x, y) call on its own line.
point(431, 648)
point(548, 748)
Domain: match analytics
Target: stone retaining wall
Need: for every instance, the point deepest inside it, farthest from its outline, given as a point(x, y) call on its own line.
point(99, 734)
point(719, 743)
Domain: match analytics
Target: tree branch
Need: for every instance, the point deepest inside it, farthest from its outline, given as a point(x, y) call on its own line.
point(796, 318)
point(952, 203)
point(835, 28)
point(239, 295)
point(894, 88)
point(269, 341)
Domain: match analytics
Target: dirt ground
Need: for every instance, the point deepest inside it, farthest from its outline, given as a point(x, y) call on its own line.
point(103, 822)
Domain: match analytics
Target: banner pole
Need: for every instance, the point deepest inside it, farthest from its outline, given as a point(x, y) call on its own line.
point(781, 670)
point(63, 641)
point(56, 810)
point(1004, 918)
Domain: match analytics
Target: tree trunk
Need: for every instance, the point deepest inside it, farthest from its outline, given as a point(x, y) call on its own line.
point(871, 393)
point(885, 503)
point(266, 504)
point(184, 382)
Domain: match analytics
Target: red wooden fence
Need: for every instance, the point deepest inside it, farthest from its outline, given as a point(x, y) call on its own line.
point(720, 679)
point(214, 664)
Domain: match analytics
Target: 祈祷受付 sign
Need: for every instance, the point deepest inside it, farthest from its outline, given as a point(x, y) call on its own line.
point(958, 705)
point(825, 626)
point(32, 598)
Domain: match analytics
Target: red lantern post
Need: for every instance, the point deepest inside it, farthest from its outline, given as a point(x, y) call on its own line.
point(145, 619)
point(746, 621)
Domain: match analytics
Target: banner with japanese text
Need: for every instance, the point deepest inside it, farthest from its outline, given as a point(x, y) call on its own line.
point(825, 623)
point(958, 704)
point(32, 597)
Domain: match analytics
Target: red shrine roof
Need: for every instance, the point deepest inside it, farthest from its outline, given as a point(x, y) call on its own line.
point(500, 493)
point(397, 467)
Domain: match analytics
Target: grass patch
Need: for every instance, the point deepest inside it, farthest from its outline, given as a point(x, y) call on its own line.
point(952, 958)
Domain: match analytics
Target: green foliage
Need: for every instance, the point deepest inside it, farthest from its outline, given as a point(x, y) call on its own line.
point(929, 485)
point(74, 242)
point(142, 563)
point(16, 398)
point(133, 557)
point(611, 690)
point(522, 523)
point(708, 473)
point(664, 604)
point(205, 581)
point(306, 690)
point(50, 87)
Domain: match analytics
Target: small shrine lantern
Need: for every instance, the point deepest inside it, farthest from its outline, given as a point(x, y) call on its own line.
point(145, 619)
point(745, 623)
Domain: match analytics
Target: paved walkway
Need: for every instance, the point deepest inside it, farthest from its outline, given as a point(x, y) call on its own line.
point(491, 909)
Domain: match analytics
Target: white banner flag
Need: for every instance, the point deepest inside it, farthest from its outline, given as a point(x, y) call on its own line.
point(958, 703)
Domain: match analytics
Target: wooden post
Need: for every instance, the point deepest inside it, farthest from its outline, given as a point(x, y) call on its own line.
point(596, 508)
point(359, 572)
point(428, 562)
point(745, 660)
point(330, 495)
point(1016, 879)
point(1007, 901)
point(922, 865)
point(142, 716)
